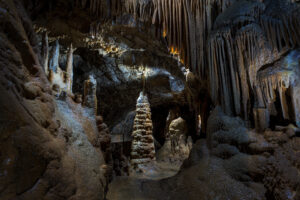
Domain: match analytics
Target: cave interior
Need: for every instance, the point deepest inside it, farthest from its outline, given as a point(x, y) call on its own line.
point(150, 99)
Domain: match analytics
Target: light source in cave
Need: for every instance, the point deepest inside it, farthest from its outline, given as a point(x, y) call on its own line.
point(199, 124)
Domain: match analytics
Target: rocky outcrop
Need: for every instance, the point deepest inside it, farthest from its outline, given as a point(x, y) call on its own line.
point(142, 147)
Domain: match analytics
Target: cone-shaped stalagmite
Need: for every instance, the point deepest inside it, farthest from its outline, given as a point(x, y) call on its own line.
point(142, 148)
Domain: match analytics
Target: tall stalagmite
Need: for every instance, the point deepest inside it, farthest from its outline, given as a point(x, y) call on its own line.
point(142, 148)
point(69, 72)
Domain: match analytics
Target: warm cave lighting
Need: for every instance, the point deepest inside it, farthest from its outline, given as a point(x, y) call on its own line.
point(164, 33)
point(199, 125)
point(101, 99)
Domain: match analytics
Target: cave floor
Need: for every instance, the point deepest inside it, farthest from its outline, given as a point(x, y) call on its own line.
point(157, 170)
point(125, 187)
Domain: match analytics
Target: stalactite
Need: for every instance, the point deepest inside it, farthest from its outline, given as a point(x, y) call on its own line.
point(280, 81)
point(215, 38)
point(281, 22)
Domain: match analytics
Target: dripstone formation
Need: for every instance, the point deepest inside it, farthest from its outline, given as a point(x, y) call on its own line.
point(142, 148)
point(90, 98)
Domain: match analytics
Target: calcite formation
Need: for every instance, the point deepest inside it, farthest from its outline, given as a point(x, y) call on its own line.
point(178, 137)
point(224, 42)
point(178, 144)
point(142, 148)
point(280, 83)
point(63, 80)
point(90, 98)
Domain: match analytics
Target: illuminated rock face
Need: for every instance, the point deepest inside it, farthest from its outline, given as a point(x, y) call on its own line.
point(142, 148)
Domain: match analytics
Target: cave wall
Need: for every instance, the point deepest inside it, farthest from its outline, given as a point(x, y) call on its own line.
point(225, 43)
point(42, 155)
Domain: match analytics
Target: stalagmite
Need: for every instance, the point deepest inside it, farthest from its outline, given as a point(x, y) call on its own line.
point(53, 62)
point(90, 98)
point(69, 72)
point(142, 147)
point(45, 52)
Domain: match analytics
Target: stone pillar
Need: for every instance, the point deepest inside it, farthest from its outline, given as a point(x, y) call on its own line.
point(142, 147)
point(90, 98)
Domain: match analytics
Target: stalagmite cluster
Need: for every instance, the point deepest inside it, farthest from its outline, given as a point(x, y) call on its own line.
point(142, 148)
point(60, 80)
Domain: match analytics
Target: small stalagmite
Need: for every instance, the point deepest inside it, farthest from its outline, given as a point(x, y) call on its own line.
point(142, 148)
point(90, 98)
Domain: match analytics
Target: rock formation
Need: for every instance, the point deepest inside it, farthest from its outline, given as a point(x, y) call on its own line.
point(61, 80)
point(90, 98)
point(142, 148)
point(69, 71)
point(280, 83)
point(177, 145)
